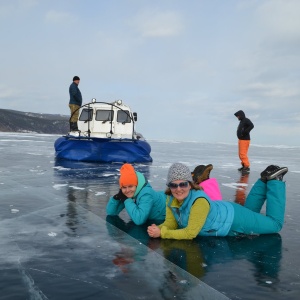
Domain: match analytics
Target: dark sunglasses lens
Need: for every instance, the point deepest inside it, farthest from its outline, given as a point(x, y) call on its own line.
point(181, 185)
point(172, 185)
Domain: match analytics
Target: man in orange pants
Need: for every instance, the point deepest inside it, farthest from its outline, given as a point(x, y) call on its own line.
point(243, 134)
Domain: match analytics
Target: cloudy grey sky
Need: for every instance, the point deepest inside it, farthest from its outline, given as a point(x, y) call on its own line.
point(184, 66)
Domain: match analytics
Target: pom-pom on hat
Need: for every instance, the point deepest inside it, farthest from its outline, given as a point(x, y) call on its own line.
point(179, 171)
point(76, 78)
point(128, 175)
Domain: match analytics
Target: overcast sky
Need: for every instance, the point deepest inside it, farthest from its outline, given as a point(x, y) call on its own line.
point(185, 66)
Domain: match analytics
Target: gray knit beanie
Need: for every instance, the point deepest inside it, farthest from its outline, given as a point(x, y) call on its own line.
point(179, 171)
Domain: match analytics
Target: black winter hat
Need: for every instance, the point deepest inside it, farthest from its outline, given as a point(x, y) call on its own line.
point(76, 78)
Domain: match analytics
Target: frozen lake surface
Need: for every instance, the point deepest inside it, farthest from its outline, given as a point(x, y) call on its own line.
point(58, 243)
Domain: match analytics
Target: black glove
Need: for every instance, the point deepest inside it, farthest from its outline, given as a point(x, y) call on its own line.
point(120, 196)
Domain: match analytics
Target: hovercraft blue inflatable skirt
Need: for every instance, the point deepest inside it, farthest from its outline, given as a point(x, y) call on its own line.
point(102, 149)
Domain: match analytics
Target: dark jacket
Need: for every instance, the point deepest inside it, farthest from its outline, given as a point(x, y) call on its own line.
point(75, 94)
point(245, 126)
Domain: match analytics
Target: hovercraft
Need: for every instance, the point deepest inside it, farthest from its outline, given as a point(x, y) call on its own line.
point(106, 133)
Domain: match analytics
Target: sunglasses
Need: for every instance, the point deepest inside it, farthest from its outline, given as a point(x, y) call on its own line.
point(182, 185)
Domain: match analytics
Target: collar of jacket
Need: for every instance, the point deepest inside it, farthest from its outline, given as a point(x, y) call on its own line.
point(142, 182)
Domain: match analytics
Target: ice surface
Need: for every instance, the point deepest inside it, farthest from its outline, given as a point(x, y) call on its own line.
point(57, 242)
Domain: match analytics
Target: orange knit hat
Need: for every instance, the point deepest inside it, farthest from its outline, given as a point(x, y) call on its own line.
point(128, 175)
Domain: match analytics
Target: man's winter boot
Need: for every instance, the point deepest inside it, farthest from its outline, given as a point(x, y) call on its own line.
point(75, 127)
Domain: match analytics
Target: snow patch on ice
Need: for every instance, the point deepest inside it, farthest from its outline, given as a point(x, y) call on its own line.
point(58, 186)
point(100, 193)
point(224, 176)
point(227, 165)
point(61, 168)
point(108, 174)
point(37, 171)
point(183, 281)
point(76, 187)
point(20, 141)
point(235, 185)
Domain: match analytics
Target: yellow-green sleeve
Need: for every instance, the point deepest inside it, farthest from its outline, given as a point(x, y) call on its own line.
point(197, 218)
point(170, 221)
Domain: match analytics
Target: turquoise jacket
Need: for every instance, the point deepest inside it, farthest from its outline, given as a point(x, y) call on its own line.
point(146, 203)
point(218, 221)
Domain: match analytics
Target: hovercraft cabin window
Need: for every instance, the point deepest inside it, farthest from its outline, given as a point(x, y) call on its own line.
point(86, 115)
point(104, 115)
point(123, 116)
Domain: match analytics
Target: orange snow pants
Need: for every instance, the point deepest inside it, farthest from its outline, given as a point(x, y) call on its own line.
point(243, 152)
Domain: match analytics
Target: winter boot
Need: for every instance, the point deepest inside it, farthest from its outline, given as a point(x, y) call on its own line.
point(273, 172)
point(245, 170)
point(241, 168)
point(201, 173)
point(73, 126)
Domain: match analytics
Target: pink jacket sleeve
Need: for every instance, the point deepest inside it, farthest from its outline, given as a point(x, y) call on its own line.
point(211, 188)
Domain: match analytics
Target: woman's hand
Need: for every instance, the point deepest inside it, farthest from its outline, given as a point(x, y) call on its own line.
point(153, 231)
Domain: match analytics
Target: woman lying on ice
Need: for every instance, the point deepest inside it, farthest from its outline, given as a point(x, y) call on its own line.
point(190, 212)
point(142, 203)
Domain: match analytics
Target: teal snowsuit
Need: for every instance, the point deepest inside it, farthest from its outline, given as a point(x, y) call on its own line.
point(228, 218)
point(248, 219)
point(146, 203)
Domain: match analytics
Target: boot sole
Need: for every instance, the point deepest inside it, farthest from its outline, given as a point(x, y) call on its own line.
point(281, 171)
